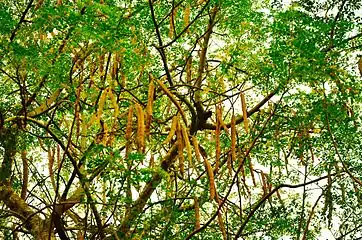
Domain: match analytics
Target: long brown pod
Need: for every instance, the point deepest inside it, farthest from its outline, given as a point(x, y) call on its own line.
point(173, 100)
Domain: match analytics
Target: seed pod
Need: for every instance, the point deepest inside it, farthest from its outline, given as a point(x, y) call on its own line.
point(173, 100)
point(229, 164)
point(114, 103)
point(221, 225)
point(111, 135)
point(210, 174)
point(188, 69)
point(264, 183)
point(77, 113)
point(180, 144)
point(140, 128)
point(252, 172)
point(245, 113)
point(217, 140)
point(242, 170)
point(50, 167)
point(197, 213)
point(172, 131)
point(80, 235)
point(58, 156)
point(222, 123)
point(104, 135)
point(101, 103)
point(101, 64)
point(152, 161)
point(233, 138)
point(50, 161)
point(123, 78)
point(114, 69)
point(187, 142)
point(129, 128)
point(38, 5)
point(172, 23)
point(196, 147)
point(187, 17)
point(151, 91)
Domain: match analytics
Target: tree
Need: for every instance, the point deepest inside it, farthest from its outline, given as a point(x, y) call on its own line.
point(180, 119)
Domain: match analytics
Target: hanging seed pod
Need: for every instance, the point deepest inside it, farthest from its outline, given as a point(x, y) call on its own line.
point(180, 145)
point(187, 143)
point(222, 123)
point(50, 161)
point(252, 172)
point(229, 164)
point(129, 129)
point(152, 161)
point(221, 225)
point(264, 183)
point(101, 64)
point(217, 140)
point(210, 174)
point(111, 135)
point(173, 100)
point(114, 69)
point(188, 69)
point(151, 91)
point(197, 213)
point(233, 138)
point(101, 103)
point(77, 113)
point(219, 218)
point(245, 112)
point(172, 23)
point(173, 129)
point(196, 147)
point(113, 99)
point(187, 17)
point(242, 170)
point(58, 156)
point(104, 135)
point(39, 3)
point(140, 128)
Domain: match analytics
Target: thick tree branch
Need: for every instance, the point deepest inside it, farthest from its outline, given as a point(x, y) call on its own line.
point(146, 193)
point(22, 19)
point(33, 222)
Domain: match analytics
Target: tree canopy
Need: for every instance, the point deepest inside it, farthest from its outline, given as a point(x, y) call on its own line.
point(182, 119)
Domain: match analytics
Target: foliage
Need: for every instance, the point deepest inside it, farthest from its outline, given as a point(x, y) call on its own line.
point(202, 119)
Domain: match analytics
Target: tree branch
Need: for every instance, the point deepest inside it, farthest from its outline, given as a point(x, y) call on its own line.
point(146, 193)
